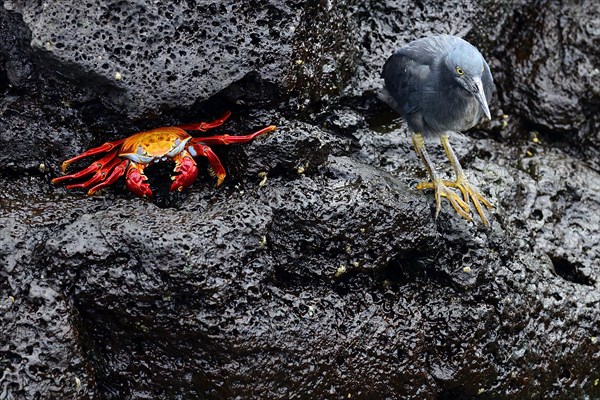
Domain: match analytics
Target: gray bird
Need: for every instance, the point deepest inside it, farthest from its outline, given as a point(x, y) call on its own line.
point(440, 84)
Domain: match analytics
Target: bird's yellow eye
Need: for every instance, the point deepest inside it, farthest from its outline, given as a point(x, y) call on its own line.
point(459, 71)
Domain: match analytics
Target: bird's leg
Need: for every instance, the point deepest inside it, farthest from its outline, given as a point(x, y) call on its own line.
point(461, 183)
point(441, 189)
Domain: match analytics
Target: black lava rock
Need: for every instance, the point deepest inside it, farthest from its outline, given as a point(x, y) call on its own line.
point(316, 270)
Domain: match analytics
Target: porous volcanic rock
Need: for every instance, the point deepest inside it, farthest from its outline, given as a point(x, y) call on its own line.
point(317, 270)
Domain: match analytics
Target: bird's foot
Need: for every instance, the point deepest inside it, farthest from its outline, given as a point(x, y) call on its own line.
point(442, 189)
point(469, 193)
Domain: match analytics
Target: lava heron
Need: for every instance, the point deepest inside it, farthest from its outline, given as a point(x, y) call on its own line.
point(440, 84)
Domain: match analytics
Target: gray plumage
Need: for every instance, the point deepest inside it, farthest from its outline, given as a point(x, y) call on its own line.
point(438, 84)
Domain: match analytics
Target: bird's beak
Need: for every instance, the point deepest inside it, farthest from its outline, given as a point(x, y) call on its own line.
point(480, 96)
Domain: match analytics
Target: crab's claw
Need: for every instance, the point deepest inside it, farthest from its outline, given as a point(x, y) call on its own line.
point(187, 171)
point(217, 169)
point(136, 181)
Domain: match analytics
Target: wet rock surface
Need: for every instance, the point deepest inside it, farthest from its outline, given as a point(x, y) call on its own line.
point(316, 270)
point(146, 55)
point(553, 80)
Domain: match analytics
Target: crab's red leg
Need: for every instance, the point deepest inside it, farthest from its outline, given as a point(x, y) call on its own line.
point(93, 167)
point(228, 139)
point(204, 126)
point(136, 180)
point(117, 171)
point(99, 176)
point(187, 169)
point(205, 151)
point(108, 146)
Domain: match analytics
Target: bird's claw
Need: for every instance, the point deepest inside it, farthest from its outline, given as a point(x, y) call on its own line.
point(469, 194)
point(442, 189)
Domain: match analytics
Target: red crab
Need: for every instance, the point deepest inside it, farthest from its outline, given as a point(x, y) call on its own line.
point(131, 155)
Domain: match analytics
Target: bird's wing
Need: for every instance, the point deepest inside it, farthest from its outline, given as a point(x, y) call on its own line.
point(404, 78)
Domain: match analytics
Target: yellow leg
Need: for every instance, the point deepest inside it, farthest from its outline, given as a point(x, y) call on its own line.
point(461, 183)
point(440, 186)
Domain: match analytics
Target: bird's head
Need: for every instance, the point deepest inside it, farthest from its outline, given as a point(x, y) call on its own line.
point(466, 66)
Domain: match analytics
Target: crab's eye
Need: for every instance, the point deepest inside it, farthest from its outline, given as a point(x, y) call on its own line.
point(460, 71)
